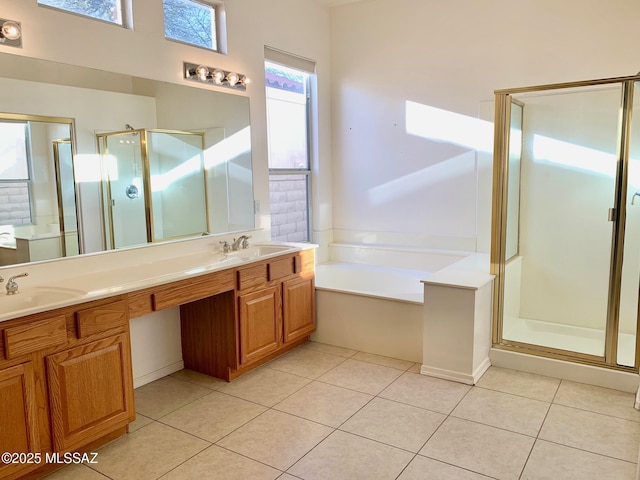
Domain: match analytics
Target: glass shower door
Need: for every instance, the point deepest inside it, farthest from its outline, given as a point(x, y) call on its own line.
point(125, 189)
point(630, 285)
point(557, 283)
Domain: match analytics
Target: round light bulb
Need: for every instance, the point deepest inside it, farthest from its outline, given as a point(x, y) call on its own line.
point(217, 76)
point(244, 81)
point(202, 72)
point(11, 30)
point(232, 78)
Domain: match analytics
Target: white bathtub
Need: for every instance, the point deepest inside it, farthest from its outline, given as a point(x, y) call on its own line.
point(375, 307)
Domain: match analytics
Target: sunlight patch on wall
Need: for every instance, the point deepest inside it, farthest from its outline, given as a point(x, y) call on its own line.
point(445, 126)
point(226, 150)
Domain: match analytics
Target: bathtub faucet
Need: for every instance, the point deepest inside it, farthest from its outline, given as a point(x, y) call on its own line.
point(633, 199)
point(242, 240)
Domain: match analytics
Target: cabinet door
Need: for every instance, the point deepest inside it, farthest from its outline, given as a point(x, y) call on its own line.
point(259, 324)
point(298, 308)
point(90, 391)
point(18, 415)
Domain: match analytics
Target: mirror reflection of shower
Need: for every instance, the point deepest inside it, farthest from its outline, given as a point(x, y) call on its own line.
point(154, 185)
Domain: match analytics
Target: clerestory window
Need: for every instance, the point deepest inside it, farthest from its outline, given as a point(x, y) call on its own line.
point(193, 22)
point(107, 10)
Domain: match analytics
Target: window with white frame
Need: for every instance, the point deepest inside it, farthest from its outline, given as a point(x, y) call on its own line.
point(107, 10)
point(288, 126)
point(15, 203)
point(193, 22)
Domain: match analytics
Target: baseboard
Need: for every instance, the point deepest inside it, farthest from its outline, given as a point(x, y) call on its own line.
point(157, 374)
point(484, 366)
point(447, 375)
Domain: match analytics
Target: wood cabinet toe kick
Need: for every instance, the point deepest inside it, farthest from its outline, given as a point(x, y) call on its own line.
point(66, 379)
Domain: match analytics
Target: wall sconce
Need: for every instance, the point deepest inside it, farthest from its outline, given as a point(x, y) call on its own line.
point(215, 76)
point(10, 33)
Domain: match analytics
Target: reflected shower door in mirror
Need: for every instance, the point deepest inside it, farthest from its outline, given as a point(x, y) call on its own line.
point(37, 189)
point(154, 185)
point(99, 102)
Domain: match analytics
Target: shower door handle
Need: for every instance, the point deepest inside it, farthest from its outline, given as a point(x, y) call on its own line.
point(612, 214)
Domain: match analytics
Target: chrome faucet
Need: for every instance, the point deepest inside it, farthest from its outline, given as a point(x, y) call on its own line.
point(241, 241)
point(12, 285)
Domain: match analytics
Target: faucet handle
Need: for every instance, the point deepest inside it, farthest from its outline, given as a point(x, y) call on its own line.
point(12, 285)
point(226, 248)
point(245, 242)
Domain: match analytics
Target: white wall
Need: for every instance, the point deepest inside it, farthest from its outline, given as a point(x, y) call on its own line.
point(449, 55)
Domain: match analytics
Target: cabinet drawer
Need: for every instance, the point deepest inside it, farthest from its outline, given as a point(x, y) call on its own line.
point(278, 269)
point(204, 287)
point(253, 276)
point(31, 337)
point(100, 319)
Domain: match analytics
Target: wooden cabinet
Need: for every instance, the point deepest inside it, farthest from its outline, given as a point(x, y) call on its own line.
point(276, 307)
point(269, 310)
point(259, 324)
point(18, 415)
point(90, 391)
point(298, 308)
point(65, 381)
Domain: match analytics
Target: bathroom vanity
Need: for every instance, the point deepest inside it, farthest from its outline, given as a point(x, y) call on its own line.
point(66, 382)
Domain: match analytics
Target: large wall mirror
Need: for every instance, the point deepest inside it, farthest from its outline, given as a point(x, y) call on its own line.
point(112, 161)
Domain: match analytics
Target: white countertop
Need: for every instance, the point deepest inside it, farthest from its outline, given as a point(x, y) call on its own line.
point(71, 281)
point(471, 273)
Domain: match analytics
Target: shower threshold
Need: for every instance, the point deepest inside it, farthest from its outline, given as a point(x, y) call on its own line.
point(567, 337)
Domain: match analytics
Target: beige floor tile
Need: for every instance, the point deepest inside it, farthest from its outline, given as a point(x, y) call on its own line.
point(426, 392)
point(216, 463)
point(394, 423)
point(213, 416)
point(503, 410)
point(549, 461)
point(596, 433)
point(524, 384)
point(597, 399)
point(332, 349)
point(385, 361)
point(286, 476)
point(165, 395)
point(422, 468)
point(324, 403)
point(361, 376)
point(265, 386)
point(346, 456)
point(306, 362)
point(479, 448)
point(199, 379)
point(75, 472)
point(276, 438)
point(139, 422)
point(147, 453)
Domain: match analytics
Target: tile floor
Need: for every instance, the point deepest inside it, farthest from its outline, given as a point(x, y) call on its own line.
point(326, 413)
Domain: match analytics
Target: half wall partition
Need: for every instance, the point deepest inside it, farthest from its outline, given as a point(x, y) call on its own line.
point(566, 221)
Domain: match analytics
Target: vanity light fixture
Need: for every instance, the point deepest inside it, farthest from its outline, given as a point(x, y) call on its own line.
point(215, 76)
point(10, 33)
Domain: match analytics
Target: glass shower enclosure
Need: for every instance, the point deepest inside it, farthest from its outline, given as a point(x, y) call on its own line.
point(566, 221)
point(154, 186)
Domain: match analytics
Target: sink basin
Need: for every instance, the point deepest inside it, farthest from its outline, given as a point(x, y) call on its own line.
point(30, 297)
point(259, 251)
